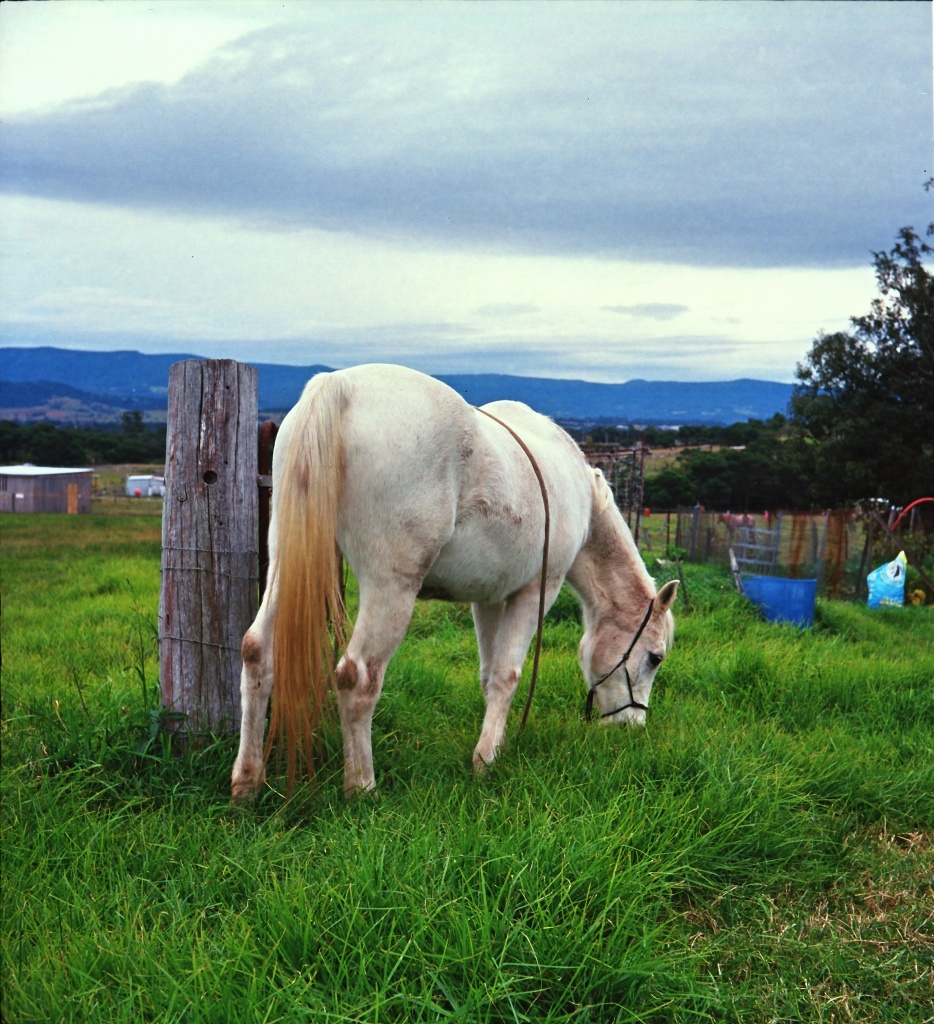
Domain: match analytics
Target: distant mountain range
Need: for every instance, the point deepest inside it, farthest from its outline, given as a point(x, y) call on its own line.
point(56, 383)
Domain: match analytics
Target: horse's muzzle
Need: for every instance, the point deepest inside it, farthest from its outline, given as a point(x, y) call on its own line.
point(626, 716)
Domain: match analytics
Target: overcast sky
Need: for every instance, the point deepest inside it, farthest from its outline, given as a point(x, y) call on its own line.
point(680, 191)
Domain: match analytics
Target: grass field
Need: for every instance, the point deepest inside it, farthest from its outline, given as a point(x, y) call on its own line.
point(761, 852)
point(108, 495)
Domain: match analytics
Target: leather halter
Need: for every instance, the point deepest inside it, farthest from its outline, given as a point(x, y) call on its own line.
point(544, 584)
point(633, 703)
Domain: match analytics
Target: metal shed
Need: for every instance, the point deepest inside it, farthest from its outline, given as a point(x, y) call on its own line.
point(45, 489)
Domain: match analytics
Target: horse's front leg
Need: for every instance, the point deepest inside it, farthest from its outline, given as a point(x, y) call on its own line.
point(383, 618)
point(504, 632)
point(255, 689)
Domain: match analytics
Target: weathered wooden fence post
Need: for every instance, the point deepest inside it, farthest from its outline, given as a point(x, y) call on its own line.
point(209, 543)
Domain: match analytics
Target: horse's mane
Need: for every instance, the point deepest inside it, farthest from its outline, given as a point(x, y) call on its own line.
point(602, 495)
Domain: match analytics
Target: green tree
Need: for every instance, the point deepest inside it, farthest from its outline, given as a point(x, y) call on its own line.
point(132, 421)
point(670, 489)
point(46, 445)
point(11, 442)
point(863, 412)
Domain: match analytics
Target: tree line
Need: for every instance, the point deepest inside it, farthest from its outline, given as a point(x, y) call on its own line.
point(860, 423)
point(44, 444)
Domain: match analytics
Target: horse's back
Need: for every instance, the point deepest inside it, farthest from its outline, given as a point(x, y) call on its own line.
point(432, 488)
point(406, 438)
point(404, 431)
point(497, 546)
point(568, 478)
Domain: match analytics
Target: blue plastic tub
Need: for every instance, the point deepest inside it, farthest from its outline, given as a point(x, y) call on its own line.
point(782, 600)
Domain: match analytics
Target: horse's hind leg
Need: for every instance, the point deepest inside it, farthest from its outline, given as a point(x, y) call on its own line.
point(255, 688)
point(382, 620)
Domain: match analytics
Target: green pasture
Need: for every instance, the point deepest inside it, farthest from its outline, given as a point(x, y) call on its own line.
point(761, 852)
point(108, 493)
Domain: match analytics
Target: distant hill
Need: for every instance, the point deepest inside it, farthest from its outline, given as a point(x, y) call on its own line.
point(635, 401)
point(24, 394)
point(134, 380)
point(31, 401)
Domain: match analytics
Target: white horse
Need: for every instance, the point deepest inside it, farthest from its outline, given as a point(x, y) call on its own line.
point(425, 495)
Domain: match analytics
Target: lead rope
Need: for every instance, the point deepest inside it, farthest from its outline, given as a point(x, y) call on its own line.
point(541, 593)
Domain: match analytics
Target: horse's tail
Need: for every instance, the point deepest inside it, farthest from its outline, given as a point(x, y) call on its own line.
point(306, 571)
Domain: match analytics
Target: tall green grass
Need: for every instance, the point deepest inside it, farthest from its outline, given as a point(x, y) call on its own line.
point(760, 852)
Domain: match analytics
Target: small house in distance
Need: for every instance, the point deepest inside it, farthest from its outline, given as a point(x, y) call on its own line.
point(30, 488)
point(145, 486)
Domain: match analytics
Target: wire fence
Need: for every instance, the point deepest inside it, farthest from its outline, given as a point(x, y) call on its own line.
point(836, 547)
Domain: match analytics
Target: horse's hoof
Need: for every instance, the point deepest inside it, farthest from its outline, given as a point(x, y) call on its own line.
point(362, 793)
point(243, 789)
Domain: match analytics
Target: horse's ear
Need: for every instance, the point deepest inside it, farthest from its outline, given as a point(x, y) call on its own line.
point(666, 596)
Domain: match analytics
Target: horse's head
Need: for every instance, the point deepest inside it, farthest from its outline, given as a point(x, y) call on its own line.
point(620, 655)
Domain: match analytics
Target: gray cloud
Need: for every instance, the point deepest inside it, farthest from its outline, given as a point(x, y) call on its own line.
point(649, 310)
point(506, 309)
point(740, 134)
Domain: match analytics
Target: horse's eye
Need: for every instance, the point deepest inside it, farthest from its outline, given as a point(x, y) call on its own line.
point(655, 659)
